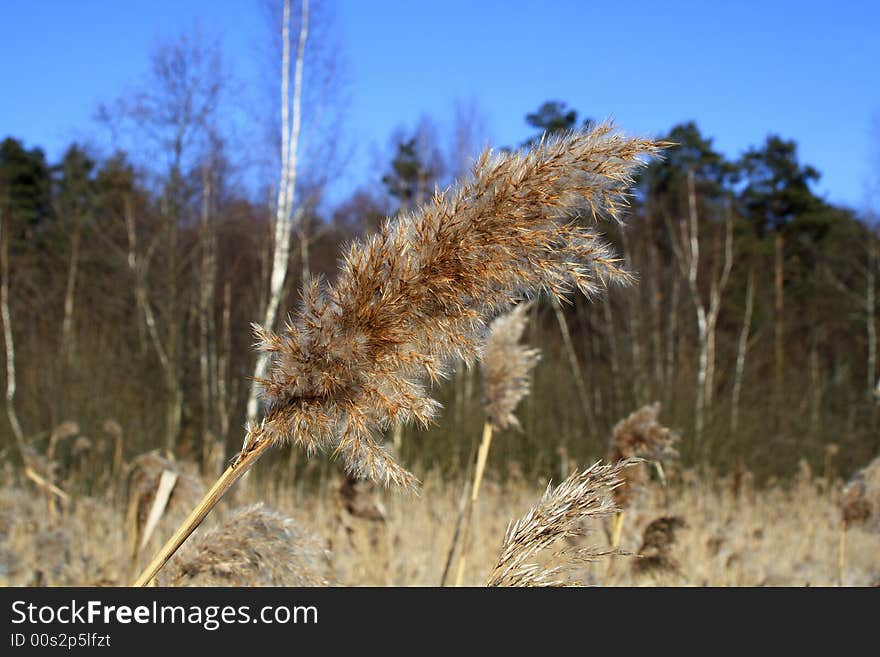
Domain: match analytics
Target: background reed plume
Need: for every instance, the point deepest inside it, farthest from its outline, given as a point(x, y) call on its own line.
point(507, 368)
point(420, 292)
point(641, 435)
point(255, 546)
point(560, 513)
point(638, 436)
point(860, 498)
point(658, 541)
point(860, 506)
point(351, 360)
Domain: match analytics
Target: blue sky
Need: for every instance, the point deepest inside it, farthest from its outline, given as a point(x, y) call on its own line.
point(805, 70)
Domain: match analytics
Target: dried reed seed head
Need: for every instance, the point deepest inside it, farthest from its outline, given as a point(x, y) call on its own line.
point(112, 428)
point(658, 540)
point(354, 495)
point(640, 435)
point(255, 546)
point(143, 482)
point(351, 361)
point(507, 367)
point(805, 471)
point(860, 498)
point(65, 430)
point(560, 513)
point(82, 444)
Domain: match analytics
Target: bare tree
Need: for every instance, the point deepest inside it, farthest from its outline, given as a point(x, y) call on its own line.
point(284, 219)
point(742, 348)
point(172, 116)
point(687, 251)
point(7, 334)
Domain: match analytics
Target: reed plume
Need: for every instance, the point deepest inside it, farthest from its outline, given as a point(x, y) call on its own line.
point(255, 546)
point(353, 497)
point(860, 498)
point(639, 435)
point(560, 513)
point(351, 361)
point(507, 369)
point(113, 429)
point(419, 293)
point(860, 506)
point(64, 431)
point(658, 541)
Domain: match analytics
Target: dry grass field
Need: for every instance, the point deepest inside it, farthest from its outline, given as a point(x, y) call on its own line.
point(361, 357)
point(729, 534)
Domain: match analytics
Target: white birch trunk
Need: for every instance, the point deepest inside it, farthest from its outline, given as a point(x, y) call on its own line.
point(688, 254)
point(172, 385)
point(286, 188)
point(741, 351)
point(8, 340)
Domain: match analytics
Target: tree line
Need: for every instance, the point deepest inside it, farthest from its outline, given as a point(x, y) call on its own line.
point(129, 286)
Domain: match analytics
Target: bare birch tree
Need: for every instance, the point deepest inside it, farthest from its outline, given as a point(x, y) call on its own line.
point(172, 114)
point(8, 341)
point(741, 350)
point(284, 220)
point(687, 251)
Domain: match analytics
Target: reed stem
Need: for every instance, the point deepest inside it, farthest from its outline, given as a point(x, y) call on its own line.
point(482, 457)
point(232, 474)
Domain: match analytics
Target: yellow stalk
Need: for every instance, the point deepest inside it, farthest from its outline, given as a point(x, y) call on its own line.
point(232, 474)
point(482, 457)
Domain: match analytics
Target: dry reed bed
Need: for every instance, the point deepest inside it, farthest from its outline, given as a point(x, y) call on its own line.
point(779, 536)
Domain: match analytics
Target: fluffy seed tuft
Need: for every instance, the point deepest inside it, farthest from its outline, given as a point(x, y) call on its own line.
point(507, 367)
point(560, 513)
point(354, 357)
point(255, 546)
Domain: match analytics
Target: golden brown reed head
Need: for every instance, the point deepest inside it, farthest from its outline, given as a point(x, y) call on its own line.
point(658, 540)
point(560, 513)
point(860, 498)
point(640, 435)
point(353, 358)
point(62, 432)
point(507, 367)
point(82, 444)
point(255, 546)
point(354, 497)
point(112, 428)
point(65, 430)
